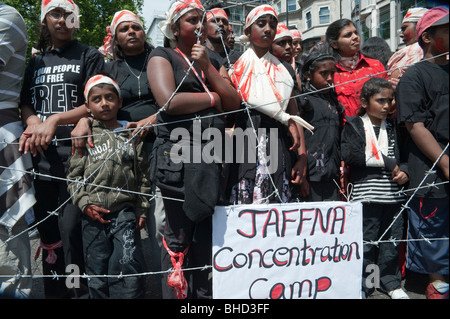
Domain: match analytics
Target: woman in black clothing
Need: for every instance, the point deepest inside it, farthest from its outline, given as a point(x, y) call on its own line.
point(51, 101)
point(204, 92)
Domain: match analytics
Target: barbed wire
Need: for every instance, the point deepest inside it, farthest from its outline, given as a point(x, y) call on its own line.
point(57, 276)
point(247, 106)
point(427, 173)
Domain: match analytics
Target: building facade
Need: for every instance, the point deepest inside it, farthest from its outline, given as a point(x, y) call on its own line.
point(381, 18)
point(153, 32)
point(237, 11)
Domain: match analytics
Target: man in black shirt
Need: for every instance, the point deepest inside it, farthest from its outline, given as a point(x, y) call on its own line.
point(217, 28)
point(423, 107)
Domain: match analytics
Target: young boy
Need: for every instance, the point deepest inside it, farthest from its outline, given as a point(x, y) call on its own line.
point(422, 103)
point(104, 183)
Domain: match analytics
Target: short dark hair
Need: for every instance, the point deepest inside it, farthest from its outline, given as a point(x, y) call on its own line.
point(431, 31)
point(370, 88)
point(377, 48)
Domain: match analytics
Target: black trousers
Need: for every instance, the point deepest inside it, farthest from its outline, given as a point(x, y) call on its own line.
point(376, 219)
point(65, 226)
point(179, 233)
point(322, 191)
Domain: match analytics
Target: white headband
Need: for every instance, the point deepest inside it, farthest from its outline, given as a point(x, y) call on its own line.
point(414, 14)
point(124, 16)
point(258, 12)
point(282, 31)
point(67, 6)
point(254, 15)
point(176, 11)
point(99, 79)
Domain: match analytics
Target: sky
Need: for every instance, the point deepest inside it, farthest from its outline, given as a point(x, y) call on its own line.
point(150, 6)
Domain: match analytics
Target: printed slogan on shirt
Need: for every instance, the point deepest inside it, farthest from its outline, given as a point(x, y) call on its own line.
point(52, 89)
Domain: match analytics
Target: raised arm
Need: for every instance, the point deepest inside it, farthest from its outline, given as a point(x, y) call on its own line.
point(428, 145)
point(162, 83)
point(219, 80)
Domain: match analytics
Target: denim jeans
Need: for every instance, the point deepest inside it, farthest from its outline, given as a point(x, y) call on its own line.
point(114, 249)
point(428, 219)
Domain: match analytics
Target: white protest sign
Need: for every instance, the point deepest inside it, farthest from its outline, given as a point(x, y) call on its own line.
point(288, 251)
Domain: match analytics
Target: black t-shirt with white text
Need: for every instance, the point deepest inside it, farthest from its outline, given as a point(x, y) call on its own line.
point(54, 83)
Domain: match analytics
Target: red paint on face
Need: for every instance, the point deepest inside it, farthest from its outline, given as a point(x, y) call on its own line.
point(408, 32)
point(408, 35)
point(262, 32)
point(191, 22)
point(440, 44)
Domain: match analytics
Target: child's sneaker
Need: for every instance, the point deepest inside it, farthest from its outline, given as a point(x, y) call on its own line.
point(437, 290)
point(398, 294)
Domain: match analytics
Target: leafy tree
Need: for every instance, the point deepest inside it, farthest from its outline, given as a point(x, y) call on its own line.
point(96, 15)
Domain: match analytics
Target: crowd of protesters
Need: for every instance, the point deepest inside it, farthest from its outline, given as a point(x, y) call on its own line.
point(87, 154)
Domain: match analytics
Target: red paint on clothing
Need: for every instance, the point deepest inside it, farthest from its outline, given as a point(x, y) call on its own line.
point(374, 151)
point(349, 93)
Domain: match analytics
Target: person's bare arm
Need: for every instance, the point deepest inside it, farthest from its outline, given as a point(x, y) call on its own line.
point(31, 120)
point(38, 134)
point(219, 80)
point(428, 145)
point(162, 82)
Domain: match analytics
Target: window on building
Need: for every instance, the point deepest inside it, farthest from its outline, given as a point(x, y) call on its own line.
point(364, 29)
point(236, 13)
point(384, 30)
point(279, 7)
point(238, 30)
point(324, 15)
point(406, 4)
point(292, 5)
point(308, 20)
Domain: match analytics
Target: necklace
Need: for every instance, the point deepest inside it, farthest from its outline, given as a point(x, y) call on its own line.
point(138, 76)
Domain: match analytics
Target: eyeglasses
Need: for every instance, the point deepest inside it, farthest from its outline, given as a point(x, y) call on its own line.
point(56, 15)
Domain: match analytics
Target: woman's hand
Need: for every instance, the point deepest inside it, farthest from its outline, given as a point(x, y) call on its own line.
point(142, 127)
point(200, 55)
point(81, 134)
point(26, 141)
point(38, 135)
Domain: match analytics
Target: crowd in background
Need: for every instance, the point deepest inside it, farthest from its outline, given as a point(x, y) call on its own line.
point(87, 154)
